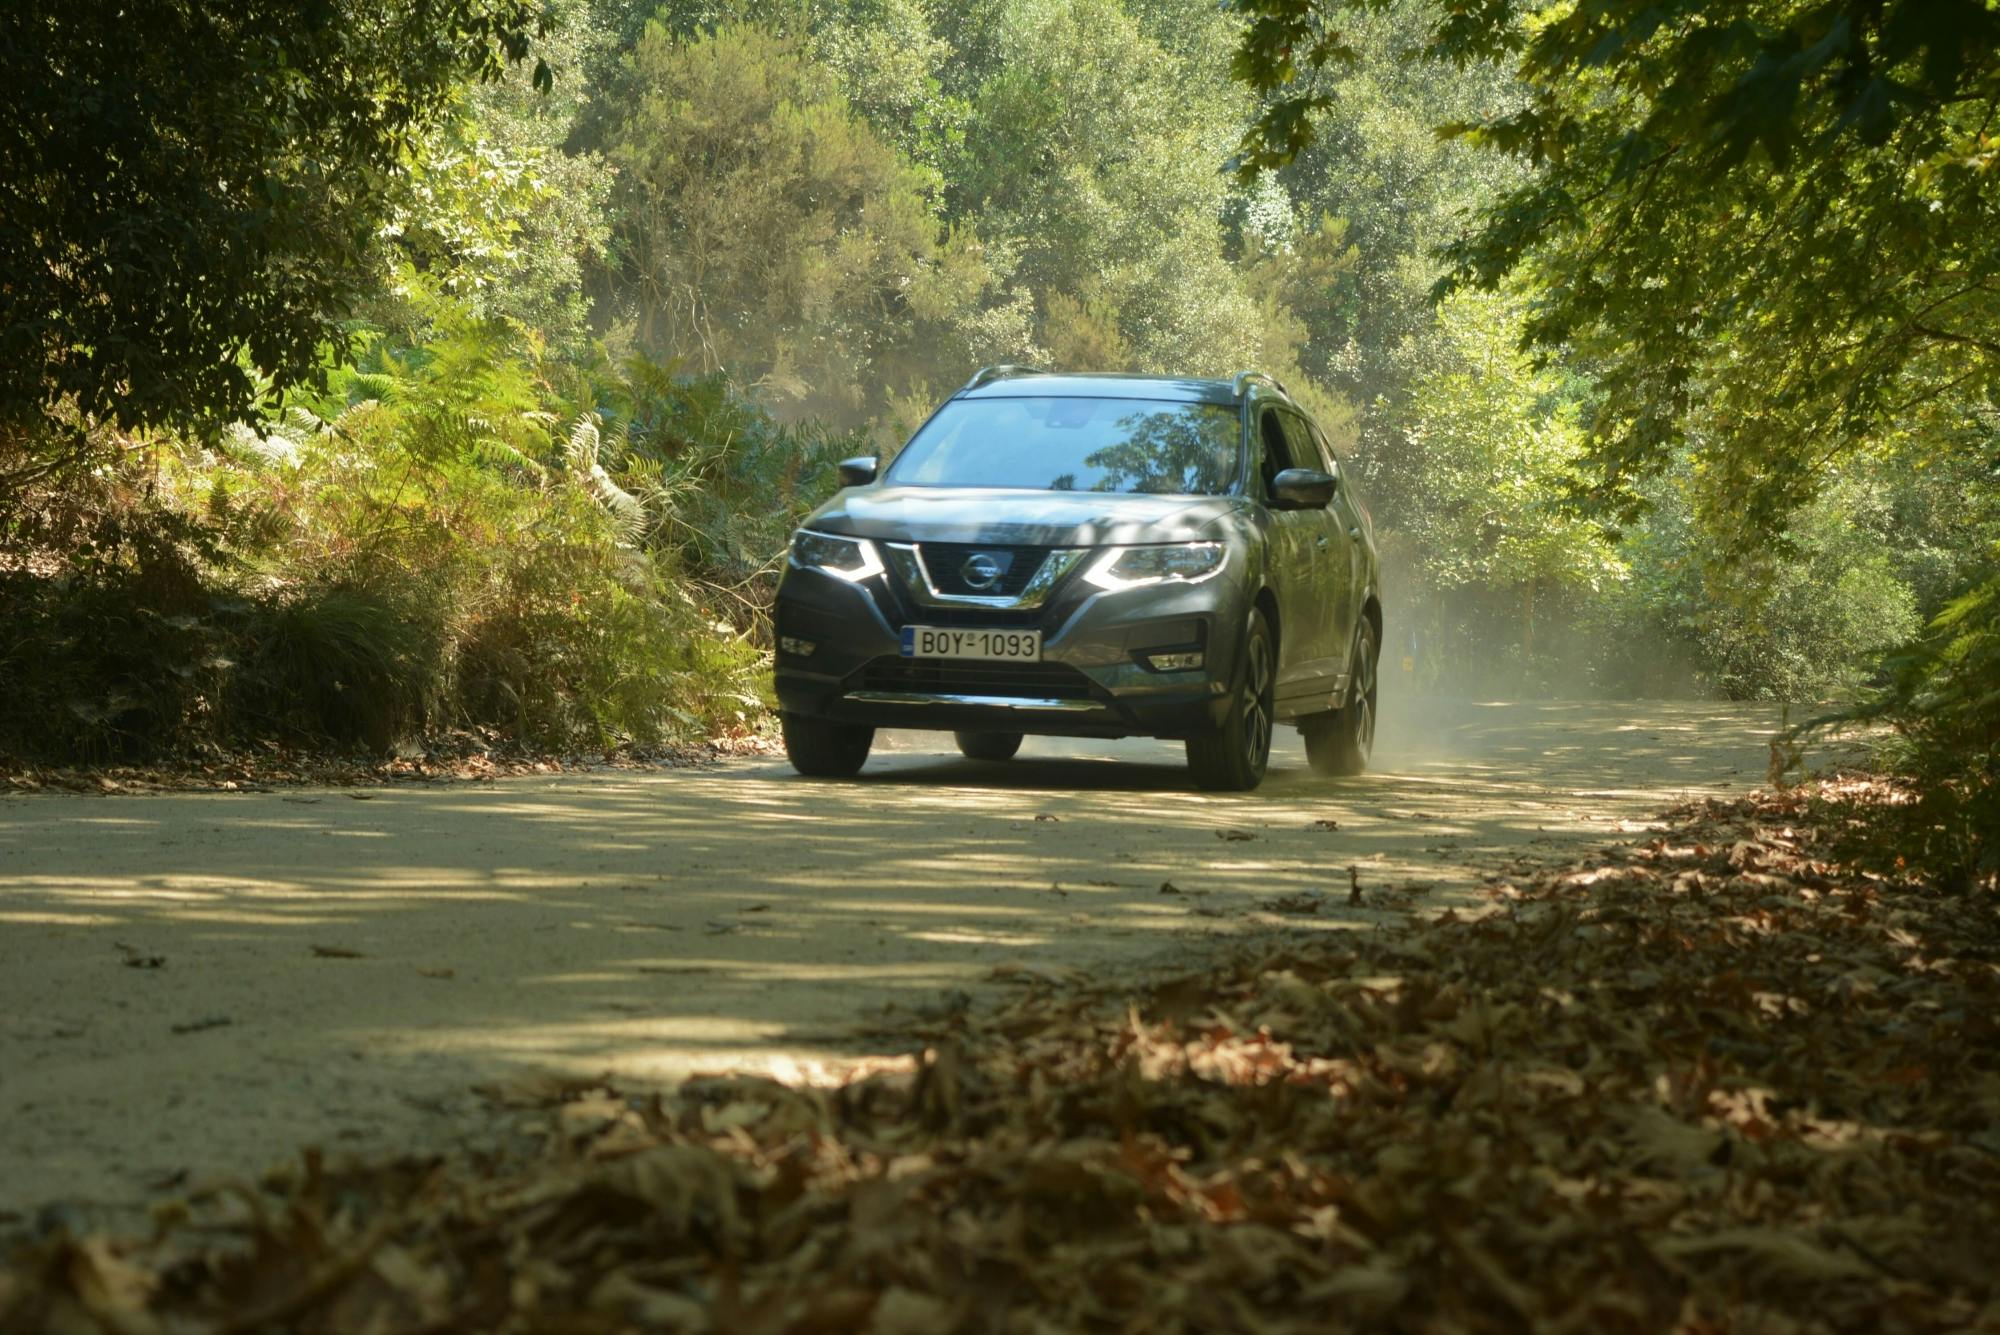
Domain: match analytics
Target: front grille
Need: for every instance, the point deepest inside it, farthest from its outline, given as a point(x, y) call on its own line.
point(947, 561)
point(930, 676)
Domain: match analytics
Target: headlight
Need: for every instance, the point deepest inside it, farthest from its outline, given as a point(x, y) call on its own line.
point(852, 559)
point(1136, 567)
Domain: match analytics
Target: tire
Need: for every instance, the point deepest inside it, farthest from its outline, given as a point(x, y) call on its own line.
point(1231, 758)
point(988, 745)
point(825, 750)
point(1339, 742)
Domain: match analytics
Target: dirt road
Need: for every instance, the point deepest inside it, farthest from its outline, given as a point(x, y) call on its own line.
point(196, 985)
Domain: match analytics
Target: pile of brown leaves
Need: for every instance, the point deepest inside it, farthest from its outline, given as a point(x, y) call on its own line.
point(1718, 1082)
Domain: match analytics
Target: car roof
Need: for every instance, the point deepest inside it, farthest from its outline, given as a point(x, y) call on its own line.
point(1178, 389)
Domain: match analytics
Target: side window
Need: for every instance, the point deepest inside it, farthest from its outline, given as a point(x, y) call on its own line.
point(1331, 461)
point(1277, 450)
point(1304, 453)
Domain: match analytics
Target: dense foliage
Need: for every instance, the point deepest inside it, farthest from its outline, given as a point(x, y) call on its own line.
point(1766, 233)
point(189, 196)
point(1770, 227)
point(587, 297)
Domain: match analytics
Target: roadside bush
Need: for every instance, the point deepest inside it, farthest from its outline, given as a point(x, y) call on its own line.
point(1942, 705)
point(1810, 622)
point(353, 666)
point(91, 673)
point(721, 482)
point(536, 615)
point(415, 559)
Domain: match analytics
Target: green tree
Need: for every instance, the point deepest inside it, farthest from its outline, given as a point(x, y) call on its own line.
point(190, 189)
point(1770, 224)
point(1473, 502)
point(1400, 192)
point(1812, 627)
point(552, 218)
point(886, 56)
point(768, 232)
point(1096, 152)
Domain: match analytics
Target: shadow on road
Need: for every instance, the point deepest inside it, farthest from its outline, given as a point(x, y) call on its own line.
point(344, 965)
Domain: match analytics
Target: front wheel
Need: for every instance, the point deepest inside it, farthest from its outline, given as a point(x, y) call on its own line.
point(1231, 758)
point(1339, 743)
point(825, 750)
point(988, 745)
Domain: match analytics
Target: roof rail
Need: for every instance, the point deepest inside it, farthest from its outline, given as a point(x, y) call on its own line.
point(986, 375)
point(1241, 383)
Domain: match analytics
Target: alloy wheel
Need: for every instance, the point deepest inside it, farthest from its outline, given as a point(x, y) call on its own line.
point(1257, 703)
point(1364, 696)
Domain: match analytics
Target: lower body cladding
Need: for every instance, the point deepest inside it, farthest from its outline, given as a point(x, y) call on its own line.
point(1113, 664)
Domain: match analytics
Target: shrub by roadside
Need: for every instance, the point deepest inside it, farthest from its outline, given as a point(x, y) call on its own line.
point(475, 608)
point(443, 547)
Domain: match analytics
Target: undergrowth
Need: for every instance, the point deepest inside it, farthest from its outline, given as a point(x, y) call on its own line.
point(453, 540)
point(1941, 706)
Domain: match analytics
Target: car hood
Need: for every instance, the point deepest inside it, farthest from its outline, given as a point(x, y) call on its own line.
point(1026, 518)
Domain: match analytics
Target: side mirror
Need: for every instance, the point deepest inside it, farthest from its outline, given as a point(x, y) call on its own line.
point(1302, 489)
point(858, 471)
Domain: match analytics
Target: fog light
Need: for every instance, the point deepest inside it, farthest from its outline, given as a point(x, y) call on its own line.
point(1175, 662)
point(792, 644)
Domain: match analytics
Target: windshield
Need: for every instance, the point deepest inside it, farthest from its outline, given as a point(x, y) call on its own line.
point(1069, 444)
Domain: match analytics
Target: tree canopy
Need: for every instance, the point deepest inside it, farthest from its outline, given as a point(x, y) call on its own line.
point(1770, 227)
point(190, 190)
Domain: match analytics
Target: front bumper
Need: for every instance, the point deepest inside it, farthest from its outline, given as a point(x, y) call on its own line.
point(1091, 681)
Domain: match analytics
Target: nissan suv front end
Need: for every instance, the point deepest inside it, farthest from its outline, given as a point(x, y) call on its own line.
point(1097, 556)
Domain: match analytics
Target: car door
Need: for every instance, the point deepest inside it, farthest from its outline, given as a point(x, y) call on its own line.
point(1346, 536)
point(1293, 558)
point(1290, 557)
point(1321, 622)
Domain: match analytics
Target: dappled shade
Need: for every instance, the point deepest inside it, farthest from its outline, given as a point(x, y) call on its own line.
point(1698, 1083)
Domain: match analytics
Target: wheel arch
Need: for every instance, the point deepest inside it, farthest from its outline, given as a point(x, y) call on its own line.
point(1371, 614)
point(1267, 603)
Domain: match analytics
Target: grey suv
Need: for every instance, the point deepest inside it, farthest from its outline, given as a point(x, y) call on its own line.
point(1089, 555)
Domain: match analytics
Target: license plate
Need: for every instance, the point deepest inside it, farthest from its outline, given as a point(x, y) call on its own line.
point(1008, 646)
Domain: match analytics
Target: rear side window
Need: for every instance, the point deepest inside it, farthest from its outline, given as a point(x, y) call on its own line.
point(1328, 459)
point(1304, 451)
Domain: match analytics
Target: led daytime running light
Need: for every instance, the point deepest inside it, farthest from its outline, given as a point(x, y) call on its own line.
point(1103, 571)
point(871, 560)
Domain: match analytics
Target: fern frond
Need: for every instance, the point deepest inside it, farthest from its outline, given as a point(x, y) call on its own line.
point(628, 513)
point(493, 450)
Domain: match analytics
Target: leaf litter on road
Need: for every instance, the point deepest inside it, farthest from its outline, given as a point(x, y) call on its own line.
point(1719, 1082)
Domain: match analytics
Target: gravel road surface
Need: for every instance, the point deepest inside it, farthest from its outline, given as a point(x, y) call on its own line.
point(192, 986)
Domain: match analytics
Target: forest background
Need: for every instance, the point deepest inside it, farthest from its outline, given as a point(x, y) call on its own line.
point(539, 329)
